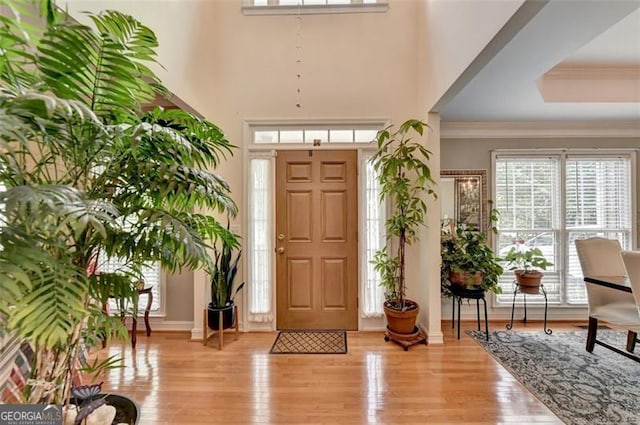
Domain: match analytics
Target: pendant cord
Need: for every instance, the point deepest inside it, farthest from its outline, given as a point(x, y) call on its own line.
point(299, 56)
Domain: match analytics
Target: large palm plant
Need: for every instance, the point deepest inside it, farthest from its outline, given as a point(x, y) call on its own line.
point(87, 174)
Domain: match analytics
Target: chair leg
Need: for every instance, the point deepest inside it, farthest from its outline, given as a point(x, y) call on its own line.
point(591, 334)
point(632, 337)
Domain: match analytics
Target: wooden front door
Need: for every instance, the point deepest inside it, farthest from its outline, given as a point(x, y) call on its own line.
point(316, 240)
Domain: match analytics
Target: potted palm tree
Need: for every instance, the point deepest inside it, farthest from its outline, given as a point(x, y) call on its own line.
point(405, 181)
point(86, 174)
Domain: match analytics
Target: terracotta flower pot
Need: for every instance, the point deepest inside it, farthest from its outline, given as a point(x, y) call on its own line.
point(402, 322)
point(463, 278)
point(529, 282)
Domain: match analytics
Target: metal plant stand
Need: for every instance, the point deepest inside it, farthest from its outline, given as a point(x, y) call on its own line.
point(459, 293)
point(541, 291)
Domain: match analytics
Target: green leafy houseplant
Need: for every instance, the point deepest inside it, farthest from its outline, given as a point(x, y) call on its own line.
point(86, 174)
point(526, 262)
point(465, 251)
point(526, 265)
point(405, 181)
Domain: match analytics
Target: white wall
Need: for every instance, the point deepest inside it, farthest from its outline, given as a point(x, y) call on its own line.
point(456, 32)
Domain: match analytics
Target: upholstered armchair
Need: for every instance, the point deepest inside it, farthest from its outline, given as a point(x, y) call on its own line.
point(602, 257)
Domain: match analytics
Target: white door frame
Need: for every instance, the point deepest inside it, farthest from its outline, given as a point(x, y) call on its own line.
point(250, 148)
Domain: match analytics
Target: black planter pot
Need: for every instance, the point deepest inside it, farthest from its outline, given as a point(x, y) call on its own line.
point(127, 411)
point(213, 316)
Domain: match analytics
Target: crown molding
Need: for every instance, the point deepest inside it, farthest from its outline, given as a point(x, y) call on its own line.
point(538, 129)
point(571, 83)
point(593, 72)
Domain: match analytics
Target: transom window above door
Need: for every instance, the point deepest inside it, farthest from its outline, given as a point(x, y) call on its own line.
point(314, 134)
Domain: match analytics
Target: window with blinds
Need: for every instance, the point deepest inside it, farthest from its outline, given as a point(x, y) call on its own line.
point(550, 201)
point(598, 203)
point(151, 276)
point(527, 196)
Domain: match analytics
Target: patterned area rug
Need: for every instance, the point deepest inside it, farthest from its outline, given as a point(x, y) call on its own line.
point(310, 342)
point(580, 388)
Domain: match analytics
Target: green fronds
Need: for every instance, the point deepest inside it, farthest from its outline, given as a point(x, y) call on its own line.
point(223, 275)
point(43, 297)
point(205, 144)
point(84, 174)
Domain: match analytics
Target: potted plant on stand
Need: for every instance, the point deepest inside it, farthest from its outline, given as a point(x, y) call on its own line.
point(527, 266)
point(222, 288)
point(405, 182)
point(87, 175)
point(467, 261)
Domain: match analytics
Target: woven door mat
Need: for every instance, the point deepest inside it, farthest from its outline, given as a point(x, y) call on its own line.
point(310, 342)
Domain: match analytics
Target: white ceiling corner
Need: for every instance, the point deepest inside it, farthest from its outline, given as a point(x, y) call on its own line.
point(574, 61)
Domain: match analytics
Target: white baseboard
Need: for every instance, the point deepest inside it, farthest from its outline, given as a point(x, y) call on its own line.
point(159, 324)
point(196, 334)
point(259, 327)
point(534, 312)
point(372, 324)
point(435, 338)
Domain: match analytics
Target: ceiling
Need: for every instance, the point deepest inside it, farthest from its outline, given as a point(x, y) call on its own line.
point(573, 61)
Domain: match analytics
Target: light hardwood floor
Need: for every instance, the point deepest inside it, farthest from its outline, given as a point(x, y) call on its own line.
point(181, 383)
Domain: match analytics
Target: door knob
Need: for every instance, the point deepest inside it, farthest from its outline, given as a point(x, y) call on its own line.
point(280, 250)
point(281, 237)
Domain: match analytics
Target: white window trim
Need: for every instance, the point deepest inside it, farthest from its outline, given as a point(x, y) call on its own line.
point(161, 312)
point(252, 149)
point(564, 152)
point(162, 309)
point(273, 8)
point(252, 125)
